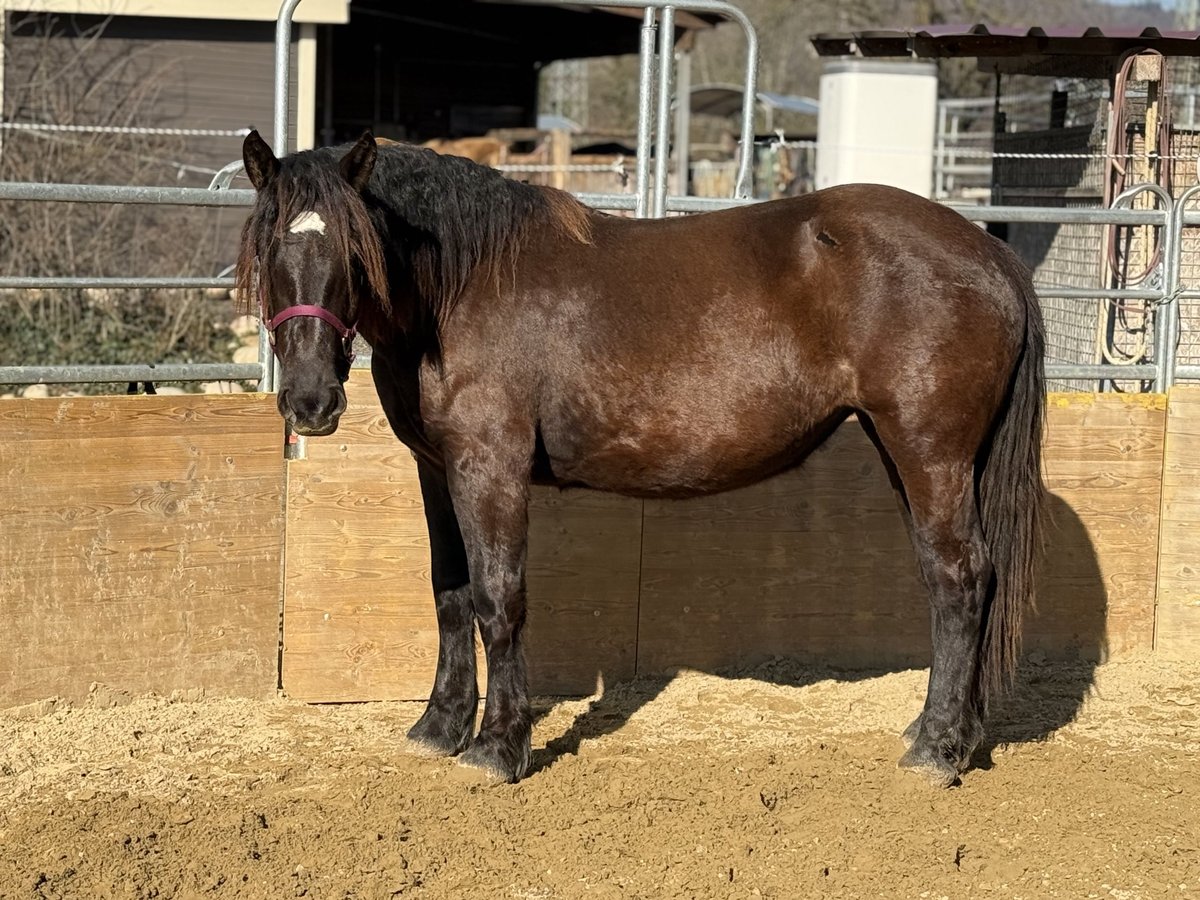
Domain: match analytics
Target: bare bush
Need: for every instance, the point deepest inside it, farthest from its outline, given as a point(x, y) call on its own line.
point(59, 75)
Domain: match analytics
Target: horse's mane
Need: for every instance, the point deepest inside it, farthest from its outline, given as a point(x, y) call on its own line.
point(452, 219)
point(443, 219)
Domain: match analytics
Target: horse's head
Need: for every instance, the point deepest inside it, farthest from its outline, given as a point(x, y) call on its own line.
point(311, 260)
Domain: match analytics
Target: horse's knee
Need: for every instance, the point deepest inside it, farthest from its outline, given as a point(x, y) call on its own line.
point(499, 605)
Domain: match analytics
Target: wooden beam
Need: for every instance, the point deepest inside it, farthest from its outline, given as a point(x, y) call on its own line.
point(1178, 631)
point(140, 545)
point(359, 622)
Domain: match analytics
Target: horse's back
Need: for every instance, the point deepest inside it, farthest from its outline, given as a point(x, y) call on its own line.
point(799, 289)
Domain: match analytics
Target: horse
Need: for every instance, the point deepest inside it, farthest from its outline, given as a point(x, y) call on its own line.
point(520, 337)
point(488, 151)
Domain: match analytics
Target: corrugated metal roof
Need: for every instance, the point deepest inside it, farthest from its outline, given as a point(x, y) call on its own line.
point(1061, 50)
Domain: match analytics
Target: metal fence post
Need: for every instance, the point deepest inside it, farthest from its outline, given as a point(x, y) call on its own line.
point(1171, 317)
point(1162, 368)
point(666, 62)
point(283, 59)
point(645, 105)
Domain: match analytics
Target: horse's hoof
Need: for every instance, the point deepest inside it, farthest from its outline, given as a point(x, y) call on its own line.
point(909, 737)
point(933, 768)
point(434, 736)
point(500, 761)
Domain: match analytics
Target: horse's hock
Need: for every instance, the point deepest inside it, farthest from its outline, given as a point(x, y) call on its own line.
point(150, 544)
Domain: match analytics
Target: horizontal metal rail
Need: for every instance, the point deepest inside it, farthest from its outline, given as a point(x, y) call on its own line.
point(84, 281)
point(1058, 292)
point(673, 204)
point(96, 193)
point(1139, 372)
point(16, 282)
point(135, 372)
point(1051, 215)
point(124, 193)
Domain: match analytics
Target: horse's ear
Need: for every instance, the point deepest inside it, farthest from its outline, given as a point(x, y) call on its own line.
point(358, 164)
point(261, 164)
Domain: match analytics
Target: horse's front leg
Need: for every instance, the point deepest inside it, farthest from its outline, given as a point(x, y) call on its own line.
point(448, 722)
point(490, 487)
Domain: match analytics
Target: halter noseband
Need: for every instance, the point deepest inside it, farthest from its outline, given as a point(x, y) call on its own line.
point(347, 332)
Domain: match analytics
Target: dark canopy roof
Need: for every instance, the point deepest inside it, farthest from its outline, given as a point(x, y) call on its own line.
point(449, 68)
point(542, 31)
point(1073, 50)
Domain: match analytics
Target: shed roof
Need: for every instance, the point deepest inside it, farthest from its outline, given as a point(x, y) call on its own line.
point(726, 100)
point(1068, 50)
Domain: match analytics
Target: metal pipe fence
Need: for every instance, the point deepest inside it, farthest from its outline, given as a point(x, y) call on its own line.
point(1172, 219)
point(1172, 216)
point(667, 8)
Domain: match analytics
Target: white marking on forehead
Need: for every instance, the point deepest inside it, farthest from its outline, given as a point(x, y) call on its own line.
point(307, 221)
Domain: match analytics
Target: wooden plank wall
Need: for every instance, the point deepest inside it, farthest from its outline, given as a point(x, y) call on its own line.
point(814, 564)
point(140, 545)
point(1178, 621)
point(358, 611)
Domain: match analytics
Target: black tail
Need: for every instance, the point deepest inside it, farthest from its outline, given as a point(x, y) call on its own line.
point(1010, 495)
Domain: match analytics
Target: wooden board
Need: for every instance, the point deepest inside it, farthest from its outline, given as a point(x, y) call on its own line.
point(816, 563)
point(140, 545)
point(1178, 631)
point(358, 612)
point(359, 621)
point(1103, 462)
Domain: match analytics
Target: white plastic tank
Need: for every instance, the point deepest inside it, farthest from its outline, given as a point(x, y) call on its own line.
point(877, 124)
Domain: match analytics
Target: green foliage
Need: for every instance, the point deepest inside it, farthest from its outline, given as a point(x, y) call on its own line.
point(112, 327)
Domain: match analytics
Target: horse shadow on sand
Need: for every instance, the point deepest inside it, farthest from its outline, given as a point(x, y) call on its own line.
point(1065, 639)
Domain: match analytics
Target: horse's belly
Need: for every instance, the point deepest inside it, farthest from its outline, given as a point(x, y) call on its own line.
point(674, 456)
point(738, 406)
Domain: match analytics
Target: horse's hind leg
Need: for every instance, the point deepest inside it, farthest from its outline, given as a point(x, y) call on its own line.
point(939, 484)
point(446, 726)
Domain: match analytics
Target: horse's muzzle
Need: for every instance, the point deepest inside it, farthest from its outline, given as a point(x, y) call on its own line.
point(312, 413)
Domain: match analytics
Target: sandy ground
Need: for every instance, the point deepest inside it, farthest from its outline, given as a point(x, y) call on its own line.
point(779, 782)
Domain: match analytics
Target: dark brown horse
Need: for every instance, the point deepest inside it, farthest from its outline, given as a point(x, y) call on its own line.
point(518, 336)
